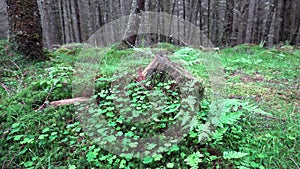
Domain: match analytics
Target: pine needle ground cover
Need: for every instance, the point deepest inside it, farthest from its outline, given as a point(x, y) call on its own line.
point(259, 126)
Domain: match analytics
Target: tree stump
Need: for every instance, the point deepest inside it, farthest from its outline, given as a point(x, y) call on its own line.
point(162, 69)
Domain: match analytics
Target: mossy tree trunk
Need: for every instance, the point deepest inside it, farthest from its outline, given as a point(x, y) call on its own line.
point(25, 28)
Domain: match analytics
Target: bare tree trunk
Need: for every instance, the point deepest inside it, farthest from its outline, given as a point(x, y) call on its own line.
point(170, 33)
point(295, 23)
point(193, 18)
point(200, 20)
point(216, 22)
point(208, 19)
point(269, 23)
point(235, 23)
point(62, 19)
point(45, 22)
point(184, 17)
point(71, 21)
point(297, 40)
point(157, 36)
point(121, 7)
point(286, 21)
point(148, 40)
point(250, 21)
point(67, 21)
point(256, 29)
point(133, 23)
point(3, 20)
point(78, 19)
point(229, 22)
point(294, 37)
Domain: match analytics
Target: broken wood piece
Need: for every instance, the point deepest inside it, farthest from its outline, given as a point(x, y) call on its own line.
point(68, 101)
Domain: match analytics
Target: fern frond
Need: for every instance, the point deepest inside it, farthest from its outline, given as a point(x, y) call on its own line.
point(233, 155)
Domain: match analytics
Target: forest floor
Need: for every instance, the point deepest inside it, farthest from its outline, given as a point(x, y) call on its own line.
point(260, 127)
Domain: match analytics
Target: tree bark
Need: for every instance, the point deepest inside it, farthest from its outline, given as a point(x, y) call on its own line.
point(133, 23)
point(286, 21)
point(216, 22)
point(3, 20)
point(250, 21)
point(62, 20)
point(25, 28)
point(208, 19)
point(269, 23)
point(229, 22)
point(78, 19)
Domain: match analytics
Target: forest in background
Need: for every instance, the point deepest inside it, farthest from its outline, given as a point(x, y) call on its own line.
point(224, 22)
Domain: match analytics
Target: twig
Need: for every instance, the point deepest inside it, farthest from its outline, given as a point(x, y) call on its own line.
point(295, 163)
point(46, 100)
point(14, 156)
point(3, 165)
point(5, 88)
point(21, 79)
point(16, 65)
point(127, 43)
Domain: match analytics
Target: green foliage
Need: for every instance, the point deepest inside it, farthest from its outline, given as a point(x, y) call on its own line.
point(233, 155)
point(167, 46)
point(194, 159)
point(35, 135)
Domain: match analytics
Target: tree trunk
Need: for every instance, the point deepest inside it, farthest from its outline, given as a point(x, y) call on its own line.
point(269, 23)
point(25, 28)
point(200, 21)
point(285, 24)
point(78, 20)
point(171, 28)
point(208, 19)
point(3, 20)
point(295, 23)
point(250, 21)
point(62, 20)
point(228, 22)
point(216, 22)
point(134, 22)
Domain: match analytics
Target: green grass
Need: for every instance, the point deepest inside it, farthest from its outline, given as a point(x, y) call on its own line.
point(259, 126)
point(269, 79)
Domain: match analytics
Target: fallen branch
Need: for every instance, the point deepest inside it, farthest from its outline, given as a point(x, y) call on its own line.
point(68, 101)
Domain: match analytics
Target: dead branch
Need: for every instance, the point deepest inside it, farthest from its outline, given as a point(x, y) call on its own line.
point(69, 101)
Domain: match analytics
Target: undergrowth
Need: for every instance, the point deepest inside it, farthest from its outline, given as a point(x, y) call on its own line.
point(257, 128)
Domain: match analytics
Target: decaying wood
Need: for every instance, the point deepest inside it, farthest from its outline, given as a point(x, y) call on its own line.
point(162, 64)
point(164, 70)
point(69, 101)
